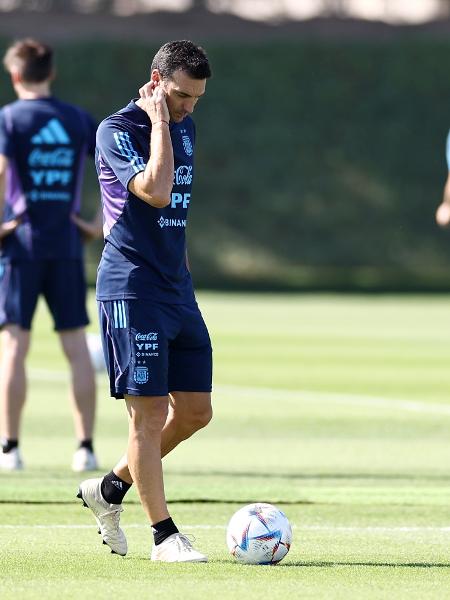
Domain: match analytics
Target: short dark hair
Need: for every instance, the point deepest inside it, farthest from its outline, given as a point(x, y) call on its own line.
point(182, 55)
point(32, 59)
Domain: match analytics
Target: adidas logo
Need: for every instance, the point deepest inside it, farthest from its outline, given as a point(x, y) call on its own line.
point(118, 484)
point(52, 133)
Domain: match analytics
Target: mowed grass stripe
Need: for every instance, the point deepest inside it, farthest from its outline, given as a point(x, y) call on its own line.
point(306, 396)
point(331, 528)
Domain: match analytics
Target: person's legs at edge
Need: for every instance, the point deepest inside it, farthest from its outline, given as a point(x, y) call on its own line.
point(82, 395)
point(15, 343)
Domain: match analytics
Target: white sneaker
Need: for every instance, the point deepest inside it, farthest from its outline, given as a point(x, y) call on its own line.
point(107, 515)
point(84, 460)
point(177, 548)
point(11, 461)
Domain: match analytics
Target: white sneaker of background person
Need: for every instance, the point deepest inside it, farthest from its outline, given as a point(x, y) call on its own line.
point(84, 460)
point(11, 461)
point(106, 515)
point(177, 548)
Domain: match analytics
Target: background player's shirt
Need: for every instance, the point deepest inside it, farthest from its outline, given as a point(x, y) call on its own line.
point(46, 142)
point(145, 247)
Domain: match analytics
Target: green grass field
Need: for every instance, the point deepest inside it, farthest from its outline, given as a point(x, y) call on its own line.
point(337, 409)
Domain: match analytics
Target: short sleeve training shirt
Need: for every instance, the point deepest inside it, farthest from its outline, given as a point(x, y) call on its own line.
point(46, 142)
point(145, 247)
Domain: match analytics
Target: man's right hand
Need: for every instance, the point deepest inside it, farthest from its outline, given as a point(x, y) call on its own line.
point(443, 214)
point(153, 101)
point(8, 227)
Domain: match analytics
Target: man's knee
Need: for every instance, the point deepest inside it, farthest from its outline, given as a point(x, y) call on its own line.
point(73, 342)
point(147, 415)
point(15, 344)
point(193, 420)
point(203, 418)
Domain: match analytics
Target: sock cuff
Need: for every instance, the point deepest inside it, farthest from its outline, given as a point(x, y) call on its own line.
point(163, 529)
point(113, 488)
point(88, 444)
point(8, 444)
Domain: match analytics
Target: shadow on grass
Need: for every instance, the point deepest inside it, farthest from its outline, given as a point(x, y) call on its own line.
point(412, 565)
point(317, 564)
point(170, 501)
point(307, 476)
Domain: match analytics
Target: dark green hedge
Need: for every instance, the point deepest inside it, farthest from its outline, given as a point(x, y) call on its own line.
point(319, 165)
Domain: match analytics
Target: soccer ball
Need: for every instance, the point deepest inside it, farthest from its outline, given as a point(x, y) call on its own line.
point(259, 534)
point(94, 344)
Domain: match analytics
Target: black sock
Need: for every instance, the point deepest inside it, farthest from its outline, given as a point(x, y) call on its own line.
point(87, 444)
point(113, 488)
point(8, 445)
point(163, 529)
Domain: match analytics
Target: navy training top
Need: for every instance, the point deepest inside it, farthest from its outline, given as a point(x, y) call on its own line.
point(145, 247)
point(46, 142)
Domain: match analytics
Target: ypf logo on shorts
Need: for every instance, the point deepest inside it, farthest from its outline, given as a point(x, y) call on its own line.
point(140, 375)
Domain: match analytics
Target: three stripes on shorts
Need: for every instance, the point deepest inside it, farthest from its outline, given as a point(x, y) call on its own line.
point(120, 316)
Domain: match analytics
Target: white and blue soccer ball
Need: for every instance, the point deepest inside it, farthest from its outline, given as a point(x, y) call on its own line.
point(259, 534)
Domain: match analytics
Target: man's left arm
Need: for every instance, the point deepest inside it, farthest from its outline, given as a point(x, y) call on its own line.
point(91, 230)
point(9, 226)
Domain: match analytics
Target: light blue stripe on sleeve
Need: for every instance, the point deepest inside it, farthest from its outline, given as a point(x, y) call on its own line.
point(126, 149)
point(139, 161)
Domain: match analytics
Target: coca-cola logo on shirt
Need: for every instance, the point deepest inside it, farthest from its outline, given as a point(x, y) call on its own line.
point(183, 175)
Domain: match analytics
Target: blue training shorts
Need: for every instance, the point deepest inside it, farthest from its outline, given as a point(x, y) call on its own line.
point(61, 282)
point(152, 349)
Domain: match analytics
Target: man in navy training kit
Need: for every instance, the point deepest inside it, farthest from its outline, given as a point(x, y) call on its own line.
point(43, 145)
point(156, 344)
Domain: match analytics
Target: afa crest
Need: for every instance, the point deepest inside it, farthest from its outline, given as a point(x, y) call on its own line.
point(140, 374)
point(187, 145)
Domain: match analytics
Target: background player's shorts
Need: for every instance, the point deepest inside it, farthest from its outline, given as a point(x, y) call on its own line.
point(152, 349)
point(60, 281)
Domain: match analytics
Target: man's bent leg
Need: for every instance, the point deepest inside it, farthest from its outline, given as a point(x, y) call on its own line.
point(188, 412)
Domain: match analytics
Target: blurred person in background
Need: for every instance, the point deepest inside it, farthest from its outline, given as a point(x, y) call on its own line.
point(43, 145)
point(156, 344)
point(443, 210)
